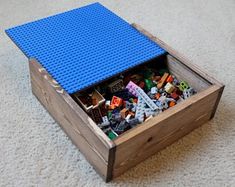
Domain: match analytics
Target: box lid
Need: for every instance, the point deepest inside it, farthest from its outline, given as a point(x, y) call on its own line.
point(84, 46)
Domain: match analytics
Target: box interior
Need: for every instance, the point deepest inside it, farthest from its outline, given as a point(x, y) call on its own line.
point(166, 61)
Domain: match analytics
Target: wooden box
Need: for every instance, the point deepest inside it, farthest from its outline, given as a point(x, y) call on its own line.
point(112, 158)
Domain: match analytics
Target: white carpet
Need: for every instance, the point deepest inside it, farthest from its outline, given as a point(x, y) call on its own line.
point(34, 151)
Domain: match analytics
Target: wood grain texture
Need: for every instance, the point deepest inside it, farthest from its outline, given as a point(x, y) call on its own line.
point(112, 158)
point(91, 141)
point(164, 129)
point(148, 138)
point(184, 73)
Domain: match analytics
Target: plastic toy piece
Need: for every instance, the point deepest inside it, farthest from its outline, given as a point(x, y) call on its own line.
point(121, 127)
point(128, 105)
point(111, 134)
point(172, 103)
point(96, 99)
point(136, 78)
point(131, 86)
point(128, 117)
point(124, 113)
point(170, 79)
point(84, 46)
point(156, 78)
point(183, 85)
point(169, 88)
point(116, 86)
point(142, 84)
point(140, 109)
point(116, 111)
point(148, 84)
point(131, 113)
point(164, 100)
point(105, 120)
point(157, 95)
point(154, 90)
point(175, 81)
point(159, 105)
point(109, 114)
point(124, 94)
point(133, 109)
point(116, 101)
point(188, 93)
point(133, 122)
point(146, 99)
point(117, 117)
point(148, 112)
point(148, 73)
point(165, 104)
point(107, 103)
point(96, 115)
point(163, 71)
point(162, 81)
point(174, 95)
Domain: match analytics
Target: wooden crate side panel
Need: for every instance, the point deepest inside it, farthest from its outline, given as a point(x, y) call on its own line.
point(178, 56)
point(94, 150)
point(163, 130)
point(183, 73)
point(221, 89)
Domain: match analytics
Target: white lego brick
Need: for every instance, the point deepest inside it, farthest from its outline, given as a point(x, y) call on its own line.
point(139, 114)
point(154, 90)
point(128, 117)
point(148, 112)
point(105, 121)
point(188, 93)
point(145, 98)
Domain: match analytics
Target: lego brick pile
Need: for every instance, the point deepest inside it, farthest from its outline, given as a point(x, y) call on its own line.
point(128, 100)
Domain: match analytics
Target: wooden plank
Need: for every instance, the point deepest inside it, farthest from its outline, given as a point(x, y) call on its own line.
point(221, 89)
point(164, 129)
point(184, 73)
point(89, 138)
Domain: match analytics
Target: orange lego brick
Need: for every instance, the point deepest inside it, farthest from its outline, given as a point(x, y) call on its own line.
point(170, 79)
point(116, 101)
point(171, 104)
point(162, 81)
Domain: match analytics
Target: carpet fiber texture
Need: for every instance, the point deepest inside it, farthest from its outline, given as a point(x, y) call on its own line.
point(34, 151)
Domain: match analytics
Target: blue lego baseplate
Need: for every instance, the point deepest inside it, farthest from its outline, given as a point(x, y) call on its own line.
point(84, 46)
